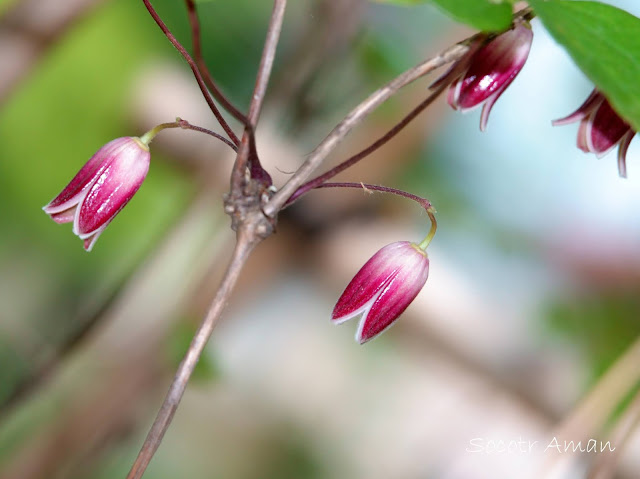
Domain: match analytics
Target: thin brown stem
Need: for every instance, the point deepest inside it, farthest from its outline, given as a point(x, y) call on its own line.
point(314, 183)
point(317, 156)
point(185, 125)
point(425, 203)
point(244, 245)
point(247, 145)
point(194, 68)
point(202, 66)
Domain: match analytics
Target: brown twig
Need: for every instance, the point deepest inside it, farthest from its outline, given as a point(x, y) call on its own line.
point(244, 245)
point(314, 183)
point(185, 125)
point(369, 188)
point(317, 156)
point(194, 68)
point(250, 231)
point(202, 66)
point(247, 145)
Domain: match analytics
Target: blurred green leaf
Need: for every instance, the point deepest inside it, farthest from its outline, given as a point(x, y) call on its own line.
point(485, 15)
point(604, 325)
point(178, 344)
point(604, 41)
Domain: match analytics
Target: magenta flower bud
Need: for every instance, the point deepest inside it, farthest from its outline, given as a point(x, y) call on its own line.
point(485, 72)
point(383, 288)
point(601, 129)
point(103, 186)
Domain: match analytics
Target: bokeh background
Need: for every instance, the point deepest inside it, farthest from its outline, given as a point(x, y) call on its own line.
point(532, 295)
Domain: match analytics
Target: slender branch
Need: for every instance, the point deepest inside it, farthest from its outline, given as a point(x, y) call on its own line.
point(194, 68)
point(425, 203)
point(314, 183)
point(247, 145)
point(202, 66)
point(315, 159)
point(185, 125)
point(244, 245)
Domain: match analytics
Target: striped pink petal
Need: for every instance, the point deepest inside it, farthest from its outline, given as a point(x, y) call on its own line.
point(491, 70)
point(383, 288)
point(102, 187)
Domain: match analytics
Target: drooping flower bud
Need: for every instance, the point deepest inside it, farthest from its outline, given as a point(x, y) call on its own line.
point(383, 288)
point(601, 129)
point(484, 73)
point(102, 187)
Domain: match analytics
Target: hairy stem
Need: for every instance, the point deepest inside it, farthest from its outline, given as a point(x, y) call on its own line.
point(247, 145)
point(194, 68)
point(204, 71)
point(185, 125)
point(314, 183)
point(426, 204)
point(317, 156)
point(244, 245)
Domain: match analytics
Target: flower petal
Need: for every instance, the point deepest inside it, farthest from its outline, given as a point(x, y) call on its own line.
point(622, 153)
point(495, 66)
point(590, 104)
point(65, 216)
point(113, 188)
point(367, 282)
point(91, 239)
point(395, 296)
point(583, 140)
point(73, 192)
point(607, 129)
point(488, 105)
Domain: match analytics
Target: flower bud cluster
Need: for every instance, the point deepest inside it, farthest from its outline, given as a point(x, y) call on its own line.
point(489, 67)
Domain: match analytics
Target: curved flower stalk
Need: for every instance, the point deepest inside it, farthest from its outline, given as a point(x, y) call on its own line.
point(102, 187)
point(385, 286)
point(601, 129)
point(485, 72)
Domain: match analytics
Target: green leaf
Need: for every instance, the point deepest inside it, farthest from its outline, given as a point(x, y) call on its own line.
point(485, 15)
point(604, 41)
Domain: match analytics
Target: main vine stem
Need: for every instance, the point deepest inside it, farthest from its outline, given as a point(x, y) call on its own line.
point(262, 80)
point(251, 228)
point(246, 241)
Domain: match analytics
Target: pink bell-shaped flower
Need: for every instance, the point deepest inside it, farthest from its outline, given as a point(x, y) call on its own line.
point(487, 69)
point(104, 185)
point(383, 288)
point(601, 129)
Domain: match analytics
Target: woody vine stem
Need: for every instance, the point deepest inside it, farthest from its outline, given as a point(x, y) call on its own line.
point(252, 203)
